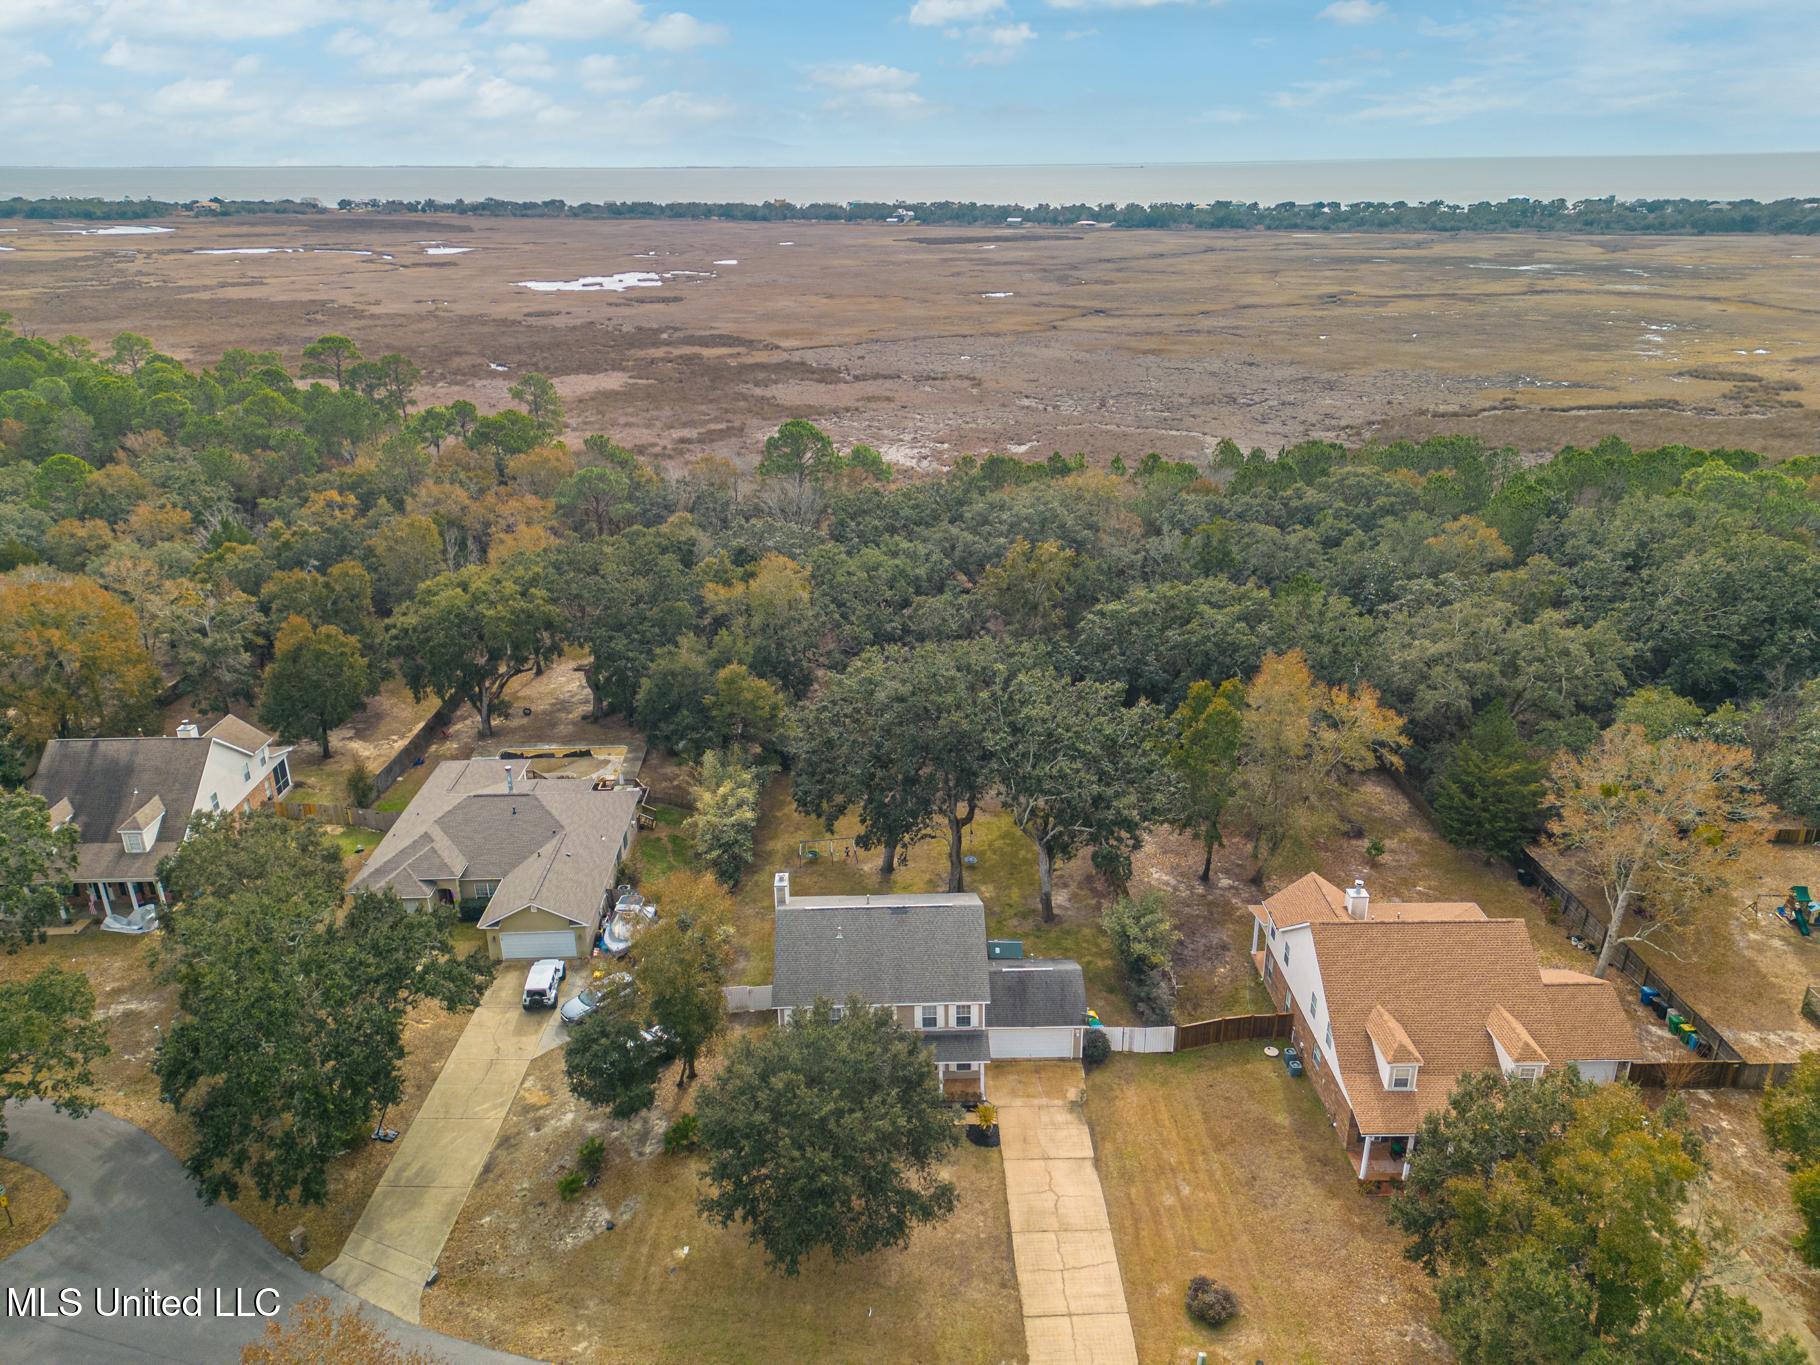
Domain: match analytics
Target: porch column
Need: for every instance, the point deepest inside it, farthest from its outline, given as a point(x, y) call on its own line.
point(107, 904)
point(89, 889)
point(1255, 926)
point(1365, 1158)
point(1409, 1145)
point(162, 898)
point(132, 894)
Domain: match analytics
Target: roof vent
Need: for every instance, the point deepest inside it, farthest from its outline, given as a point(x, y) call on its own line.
point(1358, 900)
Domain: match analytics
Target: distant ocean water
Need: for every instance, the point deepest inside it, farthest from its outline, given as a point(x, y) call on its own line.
point(1770, 175)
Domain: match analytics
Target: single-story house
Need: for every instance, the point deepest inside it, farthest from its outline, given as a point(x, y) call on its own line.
point(536, 857)
point(131, 799)
point(1392, 1004)
point(925, 957)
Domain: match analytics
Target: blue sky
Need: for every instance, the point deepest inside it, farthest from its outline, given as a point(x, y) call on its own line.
point(830, 82)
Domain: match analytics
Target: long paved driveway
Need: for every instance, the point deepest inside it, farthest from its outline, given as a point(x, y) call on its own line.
point(394, 1246)
point(1067, 1267)
point(133, 1222)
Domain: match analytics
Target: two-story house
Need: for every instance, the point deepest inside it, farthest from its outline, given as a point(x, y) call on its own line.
point(1393, 1003)
point(925, 958)
point(132, 799)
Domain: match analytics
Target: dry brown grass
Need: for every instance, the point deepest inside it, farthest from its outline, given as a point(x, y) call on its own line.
point(524, 1272)
point(1215, 1162)
point(35, 1203)
point(1113, 343)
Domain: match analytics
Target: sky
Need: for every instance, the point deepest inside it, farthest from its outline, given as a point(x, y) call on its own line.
point(913, 82)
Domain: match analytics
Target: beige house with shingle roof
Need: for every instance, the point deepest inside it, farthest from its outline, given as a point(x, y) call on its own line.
point(538, 855)
point(1392, 1004)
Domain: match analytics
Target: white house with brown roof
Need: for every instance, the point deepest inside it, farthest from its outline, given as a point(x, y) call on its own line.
point(132, 798)
point(537, 856)
point(1393, 1003)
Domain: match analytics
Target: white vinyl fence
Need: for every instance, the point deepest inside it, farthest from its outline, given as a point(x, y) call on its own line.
point(747, 999)
point(1141, 1039)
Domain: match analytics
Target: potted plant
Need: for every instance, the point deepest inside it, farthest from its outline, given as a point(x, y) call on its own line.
point(983, 1131)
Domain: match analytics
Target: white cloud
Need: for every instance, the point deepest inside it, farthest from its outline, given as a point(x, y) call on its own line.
point(868, 86)
point(526, 61)
point(193, 96)
point(998, 43)
point(605, 75)
point(1446, 102)
point(1228, 116)
point(1113, 4)
point(618, 19)
point(1307, 94)
point(1355, 11)
point(221, 21)
point(680, 32)
point(932, 13)
point(19, 15)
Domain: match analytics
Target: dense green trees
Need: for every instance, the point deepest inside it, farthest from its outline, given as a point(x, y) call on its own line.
point(317, 680)
point(49, 1041)
point(1552, 1213)
point(726, 814)
point(1203, 740)
point(1488, 794)
point(683, 961)
point(36, 863)
point(1791, 1121)
point(289, 1036)
point(469, 633)
point(826, 1132)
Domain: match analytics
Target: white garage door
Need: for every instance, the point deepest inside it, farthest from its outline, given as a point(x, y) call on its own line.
point(1031, 1042)
point(546, 943)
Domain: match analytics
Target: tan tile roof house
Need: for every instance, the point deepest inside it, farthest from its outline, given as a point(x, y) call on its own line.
point(1394, 1003)
point(541, 853)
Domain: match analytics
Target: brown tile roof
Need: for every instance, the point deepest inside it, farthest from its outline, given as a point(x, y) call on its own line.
point(1440, 981)
point(1382, 1028)
point(1313, 899)
point(1508, 1032)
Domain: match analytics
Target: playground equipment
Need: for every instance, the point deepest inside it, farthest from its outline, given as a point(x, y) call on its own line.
point(1799, 910)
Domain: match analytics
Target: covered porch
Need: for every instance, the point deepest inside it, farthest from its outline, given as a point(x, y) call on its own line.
point(960, 1061)
point(127, 907)
point(1381, 1158)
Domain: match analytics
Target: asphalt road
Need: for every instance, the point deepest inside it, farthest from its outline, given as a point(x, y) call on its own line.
point(133, 1222)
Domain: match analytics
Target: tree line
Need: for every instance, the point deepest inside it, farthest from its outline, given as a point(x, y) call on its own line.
point(1598, 216)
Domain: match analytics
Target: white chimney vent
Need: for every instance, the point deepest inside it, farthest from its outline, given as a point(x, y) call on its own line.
point(1358, 900)
point(187, 729)
point(509, 784)
point(780, 889)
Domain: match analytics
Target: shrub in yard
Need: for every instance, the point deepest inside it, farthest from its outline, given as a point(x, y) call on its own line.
point(591, 1157)
point(569, 1185)
point(1211, 1302)
point(360, 785)
point(1096, 1047)
point(985, 1115)
point(1375, 849)
point(682, 1135)
point(1144, 938)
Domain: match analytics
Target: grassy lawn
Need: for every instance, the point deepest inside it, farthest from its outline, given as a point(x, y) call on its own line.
point(35, 1205)
point(666, 849)
point(1215, 1162)
point(355, 842)
point(1003, 873)
point(525, 1272)
point(372, 737)
point(137, 1006)
point(399, 794)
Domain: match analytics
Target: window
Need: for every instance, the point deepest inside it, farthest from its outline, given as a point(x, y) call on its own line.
point(246, 772)
point(1402, 1078)
point(962, 1066)
point(1314, 1007)
point(283, 773)
point(1316, 1050)
point(1270, 969)
point(133, 839)
point(932, 1016)
point(963, 1016)
point(1529, 1073)
point(215, 802)
point(1330, 1033)
point(840, 1011)
point(1285, 954)
point(1273, 928)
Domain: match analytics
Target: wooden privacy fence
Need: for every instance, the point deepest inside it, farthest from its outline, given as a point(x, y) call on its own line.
point(1581, 920)
point(413, 748)
point(1233, 1028)
point(333, 813)
point(1710, 1075)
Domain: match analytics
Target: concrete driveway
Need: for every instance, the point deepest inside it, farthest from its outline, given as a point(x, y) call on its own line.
point(1067, 1267)
point(133, 1222)
point(394, 1246)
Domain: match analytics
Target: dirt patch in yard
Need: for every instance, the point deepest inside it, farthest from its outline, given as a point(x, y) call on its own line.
point(525, 1272)
point(1749, 1187)
point(34, 1203)
point(1215, 1162)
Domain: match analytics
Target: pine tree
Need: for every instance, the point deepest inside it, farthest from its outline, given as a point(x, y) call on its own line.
point(1489, 792)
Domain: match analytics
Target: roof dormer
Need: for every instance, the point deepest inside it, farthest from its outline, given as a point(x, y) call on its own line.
point(1519, 1055)
point(140, 831)
point(1398, 1060)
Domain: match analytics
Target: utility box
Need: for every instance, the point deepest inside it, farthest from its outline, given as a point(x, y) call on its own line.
point(1004, 949)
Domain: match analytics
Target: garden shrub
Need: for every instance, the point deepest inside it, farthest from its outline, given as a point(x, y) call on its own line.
point(1211, 1302)
point(1096, 1047)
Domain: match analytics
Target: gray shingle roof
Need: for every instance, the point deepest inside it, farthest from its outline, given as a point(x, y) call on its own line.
point(107, 782)
point(1037, 993)
point(885, 954)
point(965, 1045)
point(549, 842)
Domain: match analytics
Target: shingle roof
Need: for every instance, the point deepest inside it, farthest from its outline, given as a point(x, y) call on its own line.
point(1391, 1038)
point(886, 954)
point(549, 842)
point(965, 1045)
point(1036, 993)
point(1507, 1032)
point(230, 729)
point(109, 781)
point(1313, 900)
point(1441, 981)
point(146, 816)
